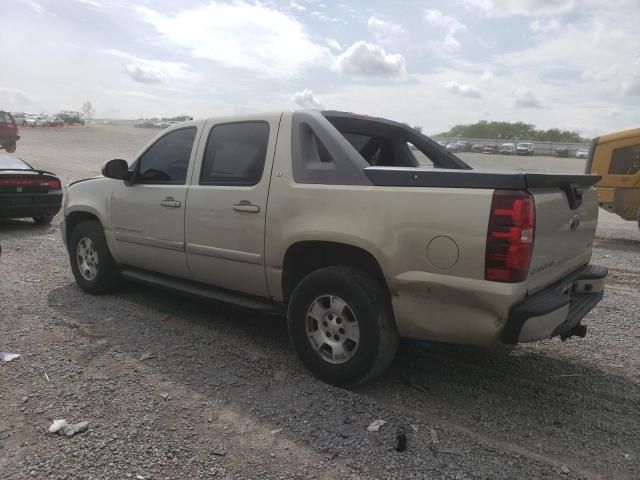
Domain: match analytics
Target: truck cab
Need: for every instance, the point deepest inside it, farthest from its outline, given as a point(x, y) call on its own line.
point(616, 158)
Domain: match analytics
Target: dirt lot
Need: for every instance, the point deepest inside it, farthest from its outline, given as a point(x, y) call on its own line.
point(223, 396)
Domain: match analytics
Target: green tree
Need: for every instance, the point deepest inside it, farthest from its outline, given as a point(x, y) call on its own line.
point(512, 131)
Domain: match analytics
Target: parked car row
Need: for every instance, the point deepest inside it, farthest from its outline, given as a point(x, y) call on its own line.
point(66, 117)
point(508, 148)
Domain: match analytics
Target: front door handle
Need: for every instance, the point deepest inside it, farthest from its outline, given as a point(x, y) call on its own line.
point(170, 202)
point(245, 206)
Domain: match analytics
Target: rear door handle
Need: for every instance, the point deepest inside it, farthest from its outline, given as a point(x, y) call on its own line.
point(245, 206)
point(170, 202)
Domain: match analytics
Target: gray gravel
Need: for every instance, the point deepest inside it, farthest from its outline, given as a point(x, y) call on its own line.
point(180, 388)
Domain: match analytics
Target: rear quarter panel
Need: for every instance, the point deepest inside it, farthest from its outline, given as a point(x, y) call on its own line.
point(394, 224)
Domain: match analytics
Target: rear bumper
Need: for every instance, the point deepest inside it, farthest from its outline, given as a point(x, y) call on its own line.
point(557, 310)
point(19, 206)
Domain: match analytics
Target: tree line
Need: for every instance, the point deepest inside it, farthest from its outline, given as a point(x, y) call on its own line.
point(512, 131)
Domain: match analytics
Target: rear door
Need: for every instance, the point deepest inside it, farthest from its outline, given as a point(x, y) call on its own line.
point(225, 219)
point(148, 216)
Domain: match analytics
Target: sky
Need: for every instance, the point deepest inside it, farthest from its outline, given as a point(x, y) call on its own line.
point(555, 63)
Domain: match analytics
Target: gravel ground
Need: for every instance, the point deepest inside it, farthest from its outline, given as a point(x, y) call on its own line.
point(176, 388)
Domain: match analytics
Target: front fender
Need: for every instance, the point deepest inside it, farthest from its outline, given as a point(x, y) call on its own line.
point(92, 197)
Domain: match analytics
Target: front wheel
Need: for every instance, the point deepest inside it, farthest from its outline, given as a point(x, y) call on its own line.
point(341, 325)
point(93, 266)
point(10, 147)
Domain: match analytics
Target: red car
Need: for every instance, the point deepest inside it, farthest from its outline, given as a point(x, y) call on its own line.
point(8, 132)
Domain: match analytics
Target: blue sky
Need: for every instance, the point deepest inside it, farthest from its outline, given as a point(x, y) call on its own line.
point(555, 63)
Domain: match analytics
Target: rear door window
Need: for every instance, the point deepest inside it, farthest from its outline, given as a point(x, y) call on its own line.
point(167, 160)
point(625, 161)
point(235, 154)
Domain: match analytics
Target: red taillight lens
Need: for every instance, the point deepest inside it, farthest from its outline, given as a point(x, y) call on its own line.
point(510, 236)
point(54, 184)
point(49, 183)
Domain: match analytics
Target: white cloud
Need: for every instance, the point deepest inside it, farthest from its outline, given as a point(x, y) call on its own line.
point(333, 44)
point(34, 6)
point(307, 100)
point(16, 99)
point(364, 59)
point(132, 93)
point(602, 51)
point(153, 71)
point(487, 75)
point(505, 8)
point(464, 90)
point(382, 30)
point(542, 26)
point(241, 35)
point(92, 3)
point(297, 6)
point(451, 25)
point(145, 73)
point(439, 19)
point(524, 98)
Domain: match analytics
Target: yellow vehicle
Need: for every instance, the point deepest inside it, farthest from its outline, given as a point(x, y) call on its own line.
point(616, 158)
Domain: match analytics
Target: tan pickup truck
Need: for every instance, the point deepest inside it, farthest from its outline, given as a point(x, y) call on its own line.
point(361, 230)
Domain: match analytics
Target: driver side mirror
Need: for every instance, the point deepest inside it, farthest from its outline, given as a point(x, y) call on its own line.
point(116, 169)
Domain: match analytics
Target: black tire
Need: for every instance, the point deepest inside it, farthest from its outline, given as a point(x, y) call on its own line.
point(370, 304)
point(107, 276)
point(43, 219)
point(10, 147)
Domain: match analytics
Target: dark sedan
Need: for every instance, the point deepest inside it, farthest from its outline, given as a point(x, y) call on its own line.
point(27, 192)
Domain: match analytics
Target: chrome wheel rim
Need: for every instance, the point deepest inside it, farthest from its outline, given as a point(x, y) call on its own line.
point(332, 329)
point(87, 258)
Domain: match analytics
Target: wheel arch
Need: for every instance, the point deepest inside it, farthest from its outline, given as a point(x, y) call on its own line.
point(306, 256)
point(74, 218)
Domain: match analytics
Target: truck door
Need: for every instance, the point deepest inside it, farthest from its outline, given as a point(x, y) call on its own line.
point(148, 216)
point(227, 203)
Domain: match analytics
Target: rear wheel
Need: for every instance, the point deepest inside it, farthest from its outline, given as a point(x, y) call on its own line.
point(43, 219)
point(10, 147)
point(93, 266)
point(341, 325)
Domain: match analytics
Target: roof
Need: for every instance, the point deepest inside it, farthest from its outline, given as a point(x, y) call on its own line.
point(612, 137)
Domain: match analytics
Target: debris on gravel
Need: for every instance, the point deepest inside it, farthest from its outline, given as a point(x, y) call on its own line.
point(61, 427)
point(7, 357)
point(375, 425)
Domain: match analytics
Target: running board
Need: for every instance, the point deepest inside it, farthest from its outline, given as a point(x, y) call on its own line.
point(201, 290)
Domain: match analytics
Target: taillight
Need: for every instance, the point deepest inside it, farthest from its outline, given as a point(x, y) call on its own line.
point(54, 184)
point(510, 236)
point(49, 183)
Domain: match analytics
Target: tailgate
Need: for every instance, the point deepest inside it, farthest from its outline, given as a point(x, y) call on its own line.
point(566, 218)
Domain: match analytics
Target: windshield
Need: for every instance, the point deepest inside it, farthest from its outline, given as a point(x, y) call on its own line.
point(5, 117)
point(12, 163)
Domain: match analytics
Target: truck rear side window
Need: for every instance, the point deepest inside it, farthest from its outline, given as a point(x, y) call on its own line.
point(235, 154)
point(625, 161)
